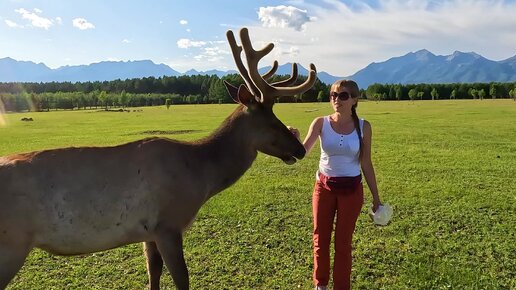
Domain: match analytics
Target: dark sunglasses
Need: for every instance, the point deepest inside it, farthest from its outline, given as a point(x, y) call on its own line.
point(343, 96)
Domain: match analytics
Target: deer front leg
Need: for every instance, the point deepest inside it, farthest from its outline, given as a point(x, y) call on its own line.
point(154, 264)
point(12, 258)
point(170, 245)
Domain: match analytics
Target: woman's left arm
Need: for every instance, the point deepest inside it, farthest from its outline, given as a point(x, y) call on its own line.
point(367, 165)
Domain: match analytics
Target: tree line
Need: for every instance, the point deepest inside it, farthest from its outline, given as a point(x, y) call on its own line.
point(203, 89)
point(492, 90)
point(149, 91)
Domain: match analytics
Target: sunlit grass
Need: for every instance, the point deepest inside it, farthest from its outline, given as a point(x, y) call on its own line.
point(447, 167)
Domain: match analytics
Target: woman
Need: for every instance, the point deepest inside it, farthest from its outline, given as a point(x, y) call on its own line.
point(345, 149)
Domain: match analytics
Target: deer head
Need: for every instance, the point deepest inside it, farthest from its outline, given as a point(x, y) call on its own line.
point(270, 135)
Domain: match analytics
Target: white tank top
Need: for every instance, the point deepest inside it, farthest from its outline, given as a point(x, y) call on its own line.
point(339, 152)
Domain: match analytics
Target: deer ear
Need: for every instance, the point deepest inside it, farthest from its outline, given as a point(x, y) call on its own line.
point(244, 96)
point(232, 90)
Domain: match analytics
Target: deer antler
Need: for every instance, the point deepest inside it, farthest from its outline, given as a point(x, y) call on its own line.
point(291, 80)
point(257, 83)
point(271, 72)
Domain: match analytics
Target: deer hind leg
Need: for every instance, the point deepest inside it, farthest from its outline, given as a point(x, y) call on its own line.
point(170, 245)
point(12, 258)
point(154, 264)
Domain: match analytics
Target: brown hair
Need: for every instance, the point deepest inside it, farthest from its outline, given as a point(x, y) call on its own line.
point(355, 93)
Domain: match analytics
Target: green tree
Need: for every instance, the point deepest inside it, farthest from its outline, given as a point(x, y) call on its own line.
point(103, 99)
point(512, 94)
point(377, 97)
point(320, 96)
point(482, 94)
point(374, 89)
point(398, 92)
point(412, 94)
point(34, 102)
point(123, 99)
point(193, 99)
point(492, 91)
point(218, 91)
point(453, 94)
point(80, 100)
point(473, 93)
point(434, 94)
point(392, 93)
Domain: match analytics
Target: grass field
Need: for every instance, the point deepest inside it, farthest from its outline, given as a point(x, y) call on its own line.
point(447, 167)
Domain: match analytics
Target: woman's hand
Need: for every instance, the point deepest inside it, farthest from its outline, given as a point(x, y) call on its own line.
point(295, 132)
point(376, 204)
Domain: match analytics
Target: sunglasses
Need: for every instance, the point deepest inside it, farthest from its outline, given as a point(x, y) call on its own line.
point(343, 96)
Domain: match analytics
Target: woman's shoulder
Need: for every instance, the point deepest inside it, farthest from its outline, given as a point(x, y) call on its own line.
point(366, 125)
point(317, 123)
point(319, 120)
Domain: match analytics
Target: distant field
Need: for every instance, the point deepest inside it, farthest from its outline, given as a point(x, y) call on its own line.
point(447, 167)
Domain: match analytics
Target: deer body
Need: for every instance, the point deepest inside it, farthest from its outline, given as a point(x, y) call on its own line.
point(70, 209)
point(70, 212)
point(73, 201)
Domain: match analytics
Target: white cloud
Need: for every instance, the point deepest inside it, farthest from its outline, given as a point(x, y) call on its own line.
point(82, 24)
point(283, 17)
point(183, 22)
point(208, 55)
point(203, 57)
point(348, 37)
point(215, 51)
point(126, 40)
point(35, 20)
point(293, 50)
point(59, 20)
point(187, 43)
point(12, 24)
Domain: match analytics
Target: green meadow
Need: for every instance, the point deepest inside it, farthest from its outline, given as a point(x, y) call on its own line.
point(448, 168)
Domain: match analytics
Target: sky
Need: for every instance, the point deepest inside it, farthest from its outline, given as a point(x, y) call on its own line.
point(339, 37)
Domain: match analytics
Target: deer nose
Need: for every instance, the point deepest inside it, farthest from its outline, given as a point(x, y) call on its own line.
point(300, 152)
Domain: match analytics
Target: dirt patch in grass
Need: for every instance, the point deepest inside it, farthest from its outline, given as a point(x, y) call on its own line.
point(119, 110)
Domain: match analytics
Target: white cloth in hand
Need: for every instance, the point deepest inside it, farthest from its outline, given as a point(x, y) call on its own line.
point(382, 216)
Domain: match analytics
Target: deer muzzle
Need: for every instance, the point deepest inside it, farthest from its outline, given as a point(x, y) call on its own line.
point(297, 155)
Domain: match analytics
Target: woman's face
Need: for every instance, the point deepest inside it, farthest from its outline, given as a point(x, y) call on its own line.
point(341, 100)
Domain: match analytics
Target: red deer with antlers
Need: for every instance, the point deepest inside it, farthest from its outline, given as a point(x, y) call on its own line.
point(72, 201)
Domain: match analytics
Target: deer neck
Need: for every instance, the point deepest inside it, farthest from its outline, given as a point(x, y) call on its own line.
point(227, 153)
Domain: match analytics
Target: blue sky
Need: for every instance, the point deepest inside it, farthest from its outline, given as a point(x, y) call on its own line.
point(339, 37)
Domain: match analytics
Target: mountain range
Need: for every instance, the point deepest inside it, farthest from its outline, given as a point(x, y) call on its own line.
point(415, 67)
point(425, 67)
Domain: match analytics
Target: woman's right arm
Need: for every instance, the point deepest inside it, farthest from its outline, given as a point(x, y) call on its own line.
point(313, 133)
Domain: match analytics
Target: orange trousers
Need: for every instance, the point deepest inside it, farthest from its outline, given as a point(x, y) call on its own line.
point(346, 204)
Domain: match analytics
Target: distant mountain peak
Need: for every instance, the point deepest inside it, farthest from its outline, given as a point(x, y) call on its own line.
point(12, 60)
point(423, 52)
point(423, 55)
point(459, 55)
point(191, 72)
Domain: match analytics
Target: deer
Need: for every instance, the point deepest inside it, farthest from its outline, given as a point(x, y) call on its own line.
point(81, 200)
